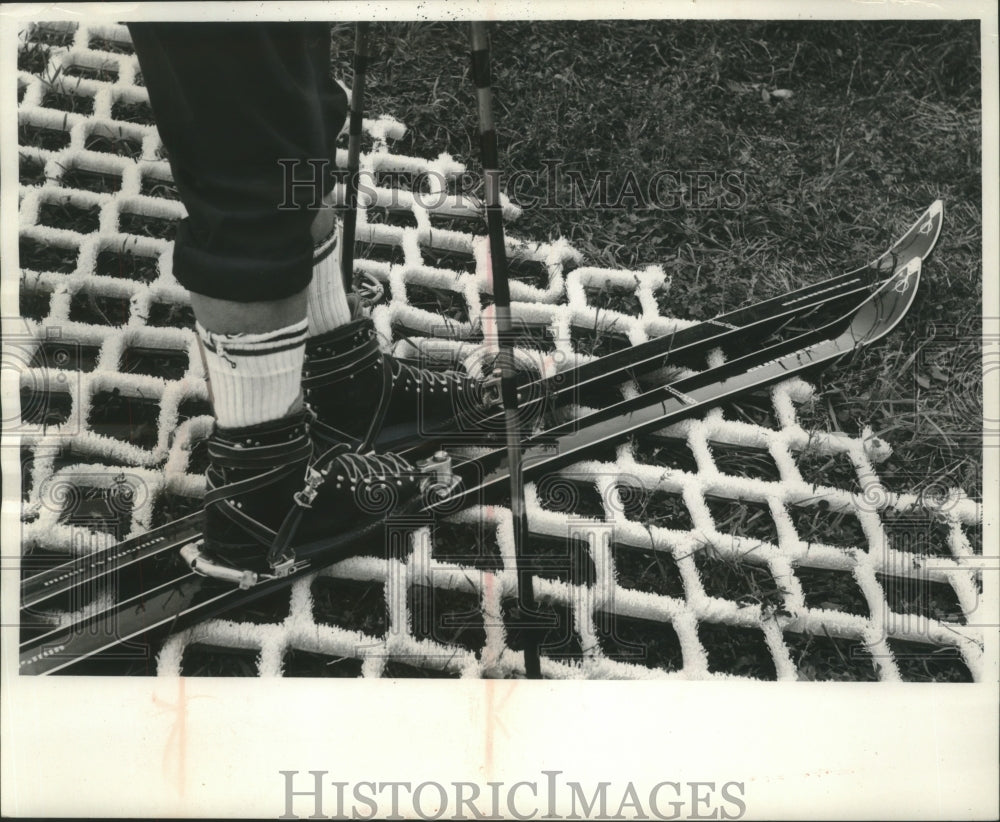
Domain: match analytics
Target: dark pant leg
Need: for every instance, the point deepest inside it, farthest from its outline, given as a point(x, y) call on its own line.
point(230, 101)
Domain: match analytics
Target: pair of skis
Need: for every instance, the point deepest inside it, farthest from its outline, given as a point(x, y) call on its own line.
point(142, 588)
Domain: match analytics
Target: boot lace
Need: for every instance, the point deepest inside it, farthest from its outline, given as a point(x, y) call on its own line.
point(376, 480)
point(429, 378)
point(359, 468)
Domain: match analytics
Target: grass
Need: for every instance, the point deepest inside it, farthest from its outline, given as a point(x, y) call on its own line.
point(738, 651)
point(823, 659)
point(153, 187)
point(114, 46)
point(109, 142)
point(39, 256)
point(884, 117)
point(107, 73)
point(41, 137)
point(827, 176)
point(445, 303)
point(835, 590)
point(613, 299)
point(123, 263)
point(58, 34)
point(659, 508)
point(139, 112)
point(356, 606)
point(68, 101)
point(449, 617)
point(638, 641)
point(97, 181)
point(63, 214)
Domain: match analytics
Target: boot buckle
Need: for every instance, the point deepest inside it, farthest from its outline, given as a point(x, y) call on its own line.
point(441, 480)
point(305, 497)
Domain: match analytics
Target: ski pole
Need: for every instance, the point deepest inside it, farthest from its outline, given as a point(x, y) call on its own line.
point(361, 58)
point(497, 274)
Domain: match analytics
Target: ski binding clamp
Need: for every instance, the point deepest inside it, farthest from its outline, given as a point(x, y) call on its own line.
point(203, 566)
point(441, 480)
point(491, 392)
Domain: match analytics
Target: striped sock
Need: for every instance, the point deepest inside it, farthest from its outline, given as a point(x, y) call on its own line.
point(254, 378)
point(327, 307)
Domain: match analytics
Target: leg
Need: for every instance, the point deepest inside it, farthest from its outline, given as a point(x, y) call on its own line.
point(230, 102)
point(278, 103)
point(230, 317)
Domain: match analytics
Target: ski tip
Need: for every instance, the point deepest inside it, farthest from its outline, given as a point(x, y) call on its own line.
point(908, 276)
point(904, 286)
point(883, 310)
point(931, 224)
point(935, 214)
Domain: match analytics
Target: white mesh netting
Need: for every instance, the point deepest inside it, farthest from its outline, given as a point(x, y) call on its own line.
point(726, 546)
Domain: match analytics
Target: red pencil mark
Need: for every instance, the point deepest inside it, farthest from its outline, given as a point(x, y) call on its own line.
point(175, 750)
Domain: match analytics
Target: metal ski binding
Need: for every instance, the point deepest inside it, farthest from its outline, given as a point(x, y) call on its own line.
point(441, 480)
point(283, 568)
point(491, 393)
point(203, 566)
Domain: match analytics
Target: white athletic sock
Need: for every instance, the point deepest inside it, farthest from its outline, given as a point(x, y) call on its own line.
point(327, 307)
point(254, 378)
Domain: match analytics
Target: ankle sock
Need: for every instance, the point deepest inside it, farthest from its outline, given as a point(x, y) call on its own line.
point(327, 301)
point(254, 378)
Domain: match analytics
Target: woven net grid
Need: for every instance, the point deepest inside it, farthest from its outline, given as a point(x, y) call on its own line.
point(712, 549)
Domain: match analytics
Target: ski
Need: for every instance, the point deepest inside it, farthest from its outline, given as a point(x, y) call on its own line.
point(134, 609)
point(730, 330)
point(761, 318)
point(685, 345)
point(566, 443)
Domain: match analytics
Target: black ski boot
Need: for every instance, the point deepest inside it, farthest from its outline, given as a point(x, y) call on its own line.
point(271, 496)
point(370, 399)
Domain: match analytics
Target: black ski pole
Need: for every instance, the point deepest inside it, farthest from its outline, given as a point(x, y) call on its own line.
point(501, 301)
point(361, 57)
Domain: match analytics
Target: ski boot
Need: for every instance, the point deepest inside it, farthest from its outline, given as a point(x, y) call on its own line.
point(271, 497)
point(370, 399)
